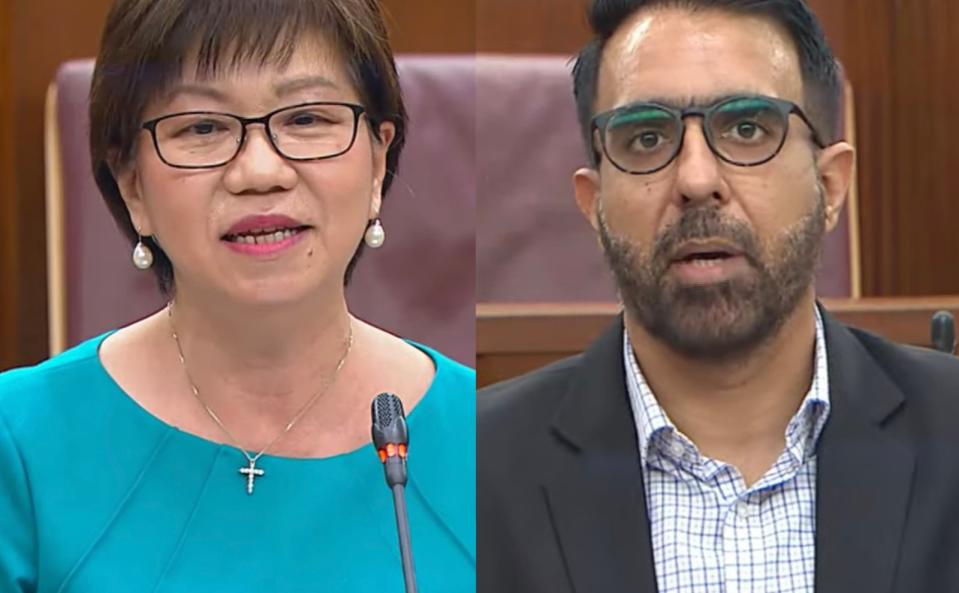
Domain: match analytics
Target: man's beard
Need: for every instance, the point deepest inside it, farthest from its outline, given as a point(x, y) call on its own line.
point(724, 320)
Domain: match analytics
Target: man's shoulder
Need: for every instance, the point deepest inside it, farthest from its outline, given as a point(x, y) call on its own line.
point(911, 359)
point(514, 426)
point(917, 372)
point(520, 399)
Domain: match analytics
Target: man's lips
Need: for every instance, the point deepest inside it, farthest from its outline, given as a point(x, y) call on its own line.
point(708, 261)
point(709, 249)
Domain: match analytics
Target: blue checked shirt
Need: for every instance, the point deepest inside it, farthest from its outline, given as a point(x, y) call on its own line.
point(711, 534)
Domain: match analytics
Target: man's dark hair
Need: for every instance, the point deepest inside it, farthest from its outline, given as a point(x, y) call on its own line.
point(820, 72)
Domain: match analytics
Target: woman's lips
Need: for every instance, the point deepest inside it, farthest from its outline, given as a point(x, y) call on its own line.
point(261, 222)
point(265, 244)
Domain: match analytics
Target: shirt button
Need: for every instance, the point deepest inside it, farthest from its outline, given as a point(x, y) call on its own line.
point(745, 510)
point(676, 449)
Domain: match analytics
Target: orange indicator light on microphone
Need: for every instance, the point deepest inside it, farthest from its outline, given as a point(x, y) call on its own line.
point(392, 450)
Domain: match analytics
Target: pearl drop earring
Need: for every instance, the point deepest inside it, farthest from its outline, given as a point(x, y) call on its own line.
point(375, 235)
point(142, 255)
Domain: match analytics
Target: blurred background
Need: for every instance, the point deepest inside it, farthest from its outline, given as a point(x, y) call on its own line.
point(899, 56)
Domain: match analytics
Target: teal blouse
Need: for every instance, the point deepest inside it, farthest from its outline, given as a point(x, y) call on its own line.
point(97, 495)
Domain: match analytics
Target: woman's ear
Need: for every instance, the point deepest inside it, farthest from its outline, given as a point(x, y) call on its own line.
point(381, 147)
point(128, 182)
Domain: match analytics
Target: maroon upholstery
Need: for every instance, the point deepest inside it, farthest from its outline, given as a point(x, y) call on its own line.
point(532, 242)
point(102, 288)
point(420, 285)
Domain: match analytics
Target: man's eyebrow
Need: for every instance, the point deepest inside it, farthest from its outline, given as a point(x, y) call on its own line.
point(698, 101)
point(298, 84)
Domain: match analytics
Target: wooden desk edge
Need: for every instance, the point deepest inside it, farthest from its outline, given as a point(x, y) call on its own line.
point(569, 327)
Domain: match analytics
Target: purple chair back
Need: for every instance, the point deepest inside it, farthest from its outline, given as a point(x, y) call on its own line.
point(420, 285)
point(532, 244)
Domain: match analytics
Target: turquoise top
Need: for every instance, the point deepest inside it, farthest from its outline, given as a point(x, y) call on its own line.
point(97, 495)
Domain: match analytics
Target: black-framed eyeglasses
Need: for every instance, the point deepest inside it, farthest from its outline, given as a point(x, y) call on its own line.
point(744, 130)
point(303, 132)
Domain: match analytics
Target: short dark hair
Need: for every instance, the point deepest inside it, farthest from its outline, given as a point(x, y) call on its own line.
point(820, 71)
point(146, 42)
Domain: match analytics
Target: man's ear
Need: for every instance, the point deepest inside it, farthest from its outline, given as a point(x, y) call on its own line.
point(837, 165)
point(128, 181)
point(586, 189)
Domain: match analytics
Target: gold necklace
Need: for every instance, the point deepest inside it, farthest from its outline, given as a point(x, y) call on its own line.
point(252, 472)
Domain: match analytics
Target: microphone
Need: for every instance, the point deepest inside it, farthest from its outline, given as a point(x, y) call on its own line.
point(944, 332)
point(391, 439)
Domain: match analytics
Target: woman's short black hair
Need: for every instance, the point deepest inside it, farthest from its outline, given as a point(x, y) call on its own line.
point(146, 42)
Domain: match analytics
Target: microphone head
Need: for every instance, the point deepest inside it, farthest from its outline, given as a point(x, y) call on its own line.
point(944, 332)
point(390, 436)
point(389, 421)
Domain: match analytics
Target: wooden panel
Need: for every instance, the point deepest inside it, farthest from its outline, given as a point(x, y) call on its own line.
point(851, 34)
point(428, 26)
point(45, 34)
point(8, 211)
point(925, 129)
point(515, 338)
point(531, 26)
point(900, 57)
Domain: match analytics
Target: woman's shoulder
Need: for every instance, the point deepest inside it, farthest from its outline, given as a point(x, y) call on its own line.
point(453, 381)
point(27, 389)
point(455, 372)
point(450, 403)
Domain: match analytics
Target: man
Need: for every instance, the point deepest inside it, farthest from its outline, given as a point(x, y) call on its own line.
point(726, 434)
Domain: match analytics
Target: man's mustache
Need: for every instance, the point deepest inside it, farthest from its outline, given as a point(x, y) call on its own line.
point(704, 224)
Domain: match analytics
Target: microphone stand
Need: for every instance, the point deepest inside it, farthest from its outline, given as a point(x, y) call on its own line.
point(391, 439)
point(944, 332)
point(403, 528)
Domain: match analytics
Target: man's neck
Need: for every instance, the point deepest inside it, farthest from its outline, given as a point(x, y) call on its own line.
point(735, 411)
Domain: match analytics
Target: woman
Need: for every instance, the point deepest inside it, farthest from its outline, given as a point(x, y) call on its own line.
point(222, 444)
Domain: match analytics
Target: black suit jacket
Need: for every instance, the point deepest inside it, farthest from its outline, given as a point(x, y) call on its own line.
point(561, 506)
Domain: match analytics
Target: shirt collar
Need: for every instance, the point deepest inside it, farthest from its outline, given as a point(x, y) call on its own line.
point(656, 431)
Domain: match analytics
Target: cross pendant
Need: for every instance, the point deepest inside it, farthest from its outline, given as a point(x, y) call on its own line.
point(251, 473)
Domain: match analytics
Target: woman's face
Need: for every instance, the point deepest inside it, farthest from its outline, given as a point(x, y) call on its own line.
point(262, 229)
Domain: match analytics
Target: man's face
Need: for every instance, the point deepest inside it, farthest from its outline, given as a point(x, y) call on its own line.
point(710, 257)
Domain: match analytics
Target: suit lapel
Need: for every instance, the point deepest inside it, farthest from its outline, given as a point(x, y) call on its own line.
point(597, 502)
point(596, 497)
point(865, 472)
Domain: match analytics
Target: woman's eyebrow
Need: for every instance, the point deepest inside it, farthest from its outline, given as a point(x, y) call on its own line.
point(195, 89)
point(298, 84)
point(284, 87)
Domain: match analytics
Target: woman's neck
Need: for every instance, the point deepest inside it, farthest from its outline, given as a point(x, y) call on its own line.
point(276, 355)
